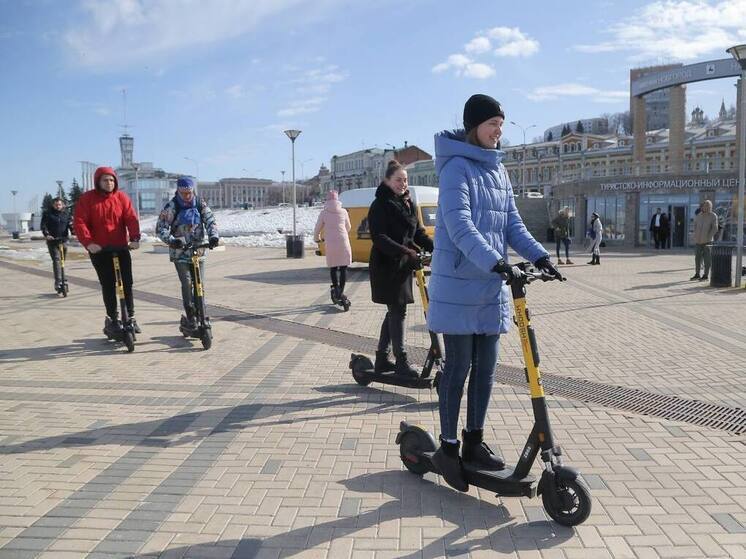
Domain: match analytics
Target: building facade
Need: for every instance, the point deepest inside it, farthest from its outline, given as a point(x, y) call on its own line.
point(366, 168)
point(589, 172)
point(422, 173)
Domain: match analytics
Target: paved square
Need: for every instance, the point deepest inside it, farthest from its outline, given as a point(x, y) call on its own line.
point(265, 447)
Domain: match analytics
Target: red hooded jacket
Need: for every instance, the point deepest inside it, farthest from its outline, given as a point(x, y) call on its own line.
point(105, 218)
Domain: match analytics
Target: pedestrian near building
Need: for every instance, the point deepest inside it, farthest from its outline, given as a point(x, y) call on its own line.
point(333, 226)
point(187, 219)
point(104, 219)
point(397, 236)
point(561, 227)
point(56, 226)
point(595, 232)
point(659, 228)
point(705, 229)
point(478, 222)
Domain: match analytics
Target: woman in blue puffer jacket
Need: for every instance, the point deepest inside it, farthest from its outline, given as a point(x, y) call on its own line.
point(477, 221)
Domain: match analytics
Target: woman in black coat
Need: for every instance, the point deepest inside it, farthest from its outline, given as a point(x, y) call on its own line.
point(396, 235)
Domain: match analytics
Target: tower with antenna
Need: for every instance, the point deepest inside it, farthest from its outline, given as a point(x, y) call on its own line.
point(126, 142)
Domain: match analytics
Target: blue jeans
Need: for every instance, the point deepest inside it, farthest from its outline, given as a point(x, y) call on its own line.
point(472, 352)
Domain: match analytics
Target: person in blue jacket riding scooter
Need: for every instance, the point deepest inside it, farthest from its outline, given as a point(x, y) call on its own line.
point(469, 300)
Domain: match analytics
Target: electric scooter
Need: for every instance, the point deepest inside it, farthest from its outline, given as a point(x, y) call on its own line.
point(362, 367)
point(564, 494)
point(123, 330)
point(340, 298)
point(62, 288)
point(201, 327)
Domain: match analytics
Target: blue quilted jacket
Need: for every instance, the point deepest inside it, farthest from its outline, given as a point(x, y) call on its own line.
point(477, 221)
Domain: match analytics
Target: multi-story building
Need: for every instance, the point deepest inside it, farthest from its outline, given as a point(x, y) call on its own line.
point(240, 192)
point(422, 173)
point(597, 172)
point(365, 168)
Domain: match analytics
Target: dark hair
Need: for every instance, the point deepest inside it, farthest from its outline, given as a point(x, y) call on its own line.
point(471, 138)
point(393, 167)
point(58, 199)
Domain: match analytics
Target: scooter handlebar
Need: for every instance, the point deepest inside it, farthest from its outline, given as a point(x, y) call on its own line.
point(527, 269)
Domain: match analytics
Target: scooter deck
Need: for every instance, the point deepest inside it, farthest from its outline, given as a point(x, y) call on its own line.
point(398, 380)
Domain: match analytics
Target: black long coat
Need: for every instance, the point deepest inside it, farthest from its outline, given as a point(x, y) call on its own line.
point(393, 226)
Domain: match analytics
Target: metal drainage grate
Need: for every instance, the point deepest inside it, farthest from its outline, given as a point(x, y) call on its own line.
point(674, 408)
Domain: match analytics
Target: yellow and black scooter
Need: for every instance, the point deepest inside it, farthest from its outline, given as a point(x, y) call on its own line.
point(202, 328)
point(62, 288)
point(124, 330)
point(362, 367)
point(564, 494)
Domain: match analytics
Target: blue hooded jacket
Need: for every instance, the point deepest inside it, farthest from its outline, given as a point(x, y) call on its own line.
point(477, 221)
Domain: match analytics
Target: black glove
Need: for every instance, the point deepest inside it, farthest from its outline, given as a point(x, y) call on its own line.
point(176, 243)
point(508, 272)
point(545, 265)
point(214, 241)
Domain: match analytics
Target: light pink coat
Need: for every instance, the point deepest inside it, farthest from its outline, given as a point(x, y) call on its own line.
point(335, 224)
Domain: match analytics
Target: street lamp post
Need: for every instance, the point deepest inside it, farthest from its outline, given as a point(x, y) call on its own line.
point(16, 221)
point(523, 170)
point(60, 192)
point(739, 53)
point(283, 186)
point(293, 134)
point(136, 167)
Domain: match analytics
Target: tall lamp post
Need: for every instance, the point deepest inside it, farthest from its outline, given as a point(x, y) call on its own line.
point(523, 170)
point(293, 134)
point(283, 186)
point(739, 53)
point(136, 167)
point(196, 166)
point(60, 192)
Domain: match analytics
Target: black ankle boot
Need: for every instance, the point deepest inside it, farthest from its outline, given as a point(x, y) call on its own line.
point(598, 259)
point(478, 454)
point(383, 364)
point(403, 367)
point(448, 462)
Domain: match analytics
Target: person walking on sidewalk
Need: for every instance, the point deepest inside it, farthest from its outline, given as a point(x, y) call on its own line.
point(55, 226)
point(104, 218)
point(397, 236)
point(333, 226)
point(185, 219)
point(561, 226)
point(659, 228)
point(469, 300)
point(705, 229)
point(595, 232)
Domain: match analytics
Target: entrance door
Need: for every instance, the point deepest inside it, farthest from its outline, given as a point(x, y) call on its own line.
point(678, 226)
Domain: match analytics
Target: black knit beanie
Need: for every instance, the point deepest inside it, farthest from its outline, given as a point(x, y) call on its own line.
point(480, 108)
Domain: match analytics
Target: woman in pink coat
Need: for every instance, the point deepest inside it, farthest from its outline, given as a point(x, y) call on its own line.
point(334, 224)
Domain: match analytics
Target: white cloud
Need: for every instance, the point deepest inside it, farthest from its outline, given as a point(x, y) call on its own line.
point(551, 92)
point(507, 42)
point(302, 106)
point(121, 32)
point(676, 30)
point(512, 42)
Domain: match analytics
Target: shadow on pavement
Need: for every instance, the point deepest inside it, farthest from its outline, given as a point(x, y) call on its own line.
point(410, 498)
point(179, 430)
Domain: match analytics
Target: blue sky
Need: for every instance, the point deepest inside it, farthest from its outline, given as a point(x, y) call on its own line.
point(218, 81)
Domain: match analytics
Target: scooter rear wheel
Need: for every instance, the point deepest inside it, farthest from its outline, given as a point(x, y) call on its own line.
point(568, 502)
point(358, 365)
point(411, 446)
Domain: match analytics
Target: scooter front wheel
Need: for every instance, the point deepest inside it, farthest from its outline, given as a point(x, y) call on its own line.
point(359, 365)
point(129, 340)
point(206, 338)
point(568, 502)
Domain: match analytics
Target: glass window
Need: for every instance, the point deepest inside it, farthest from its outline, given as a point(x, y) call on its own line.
point(611, 212)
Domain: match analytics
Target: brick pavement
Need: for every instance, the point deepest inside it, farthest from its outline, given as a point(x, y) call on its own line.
point(264, 447)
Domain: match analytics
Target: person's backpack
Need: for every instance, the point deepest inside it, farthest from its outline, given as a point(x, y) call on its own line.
point(591, 233)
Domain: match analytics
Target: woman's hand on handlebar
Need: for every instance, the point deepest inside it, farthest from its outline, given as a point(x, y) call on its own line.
point(133, 245)
point(93, 248)
point(544, 265)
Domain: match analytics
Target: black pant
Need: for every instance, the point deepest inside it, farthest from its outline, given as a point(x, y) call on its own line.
point(392, 329)
point(54, 252)
point(566, 242)
point(660, 241)
point(104, 264)
point(342, 270)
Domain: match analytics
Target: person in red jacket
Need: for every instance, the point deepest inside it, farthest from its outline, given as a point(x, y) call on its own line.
point(104, 219)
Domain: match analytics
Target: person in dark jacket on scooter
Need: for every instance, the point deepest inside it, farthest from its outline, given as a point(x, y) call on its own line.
point(56, 226)
point(469, 300)
point(397, 236)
